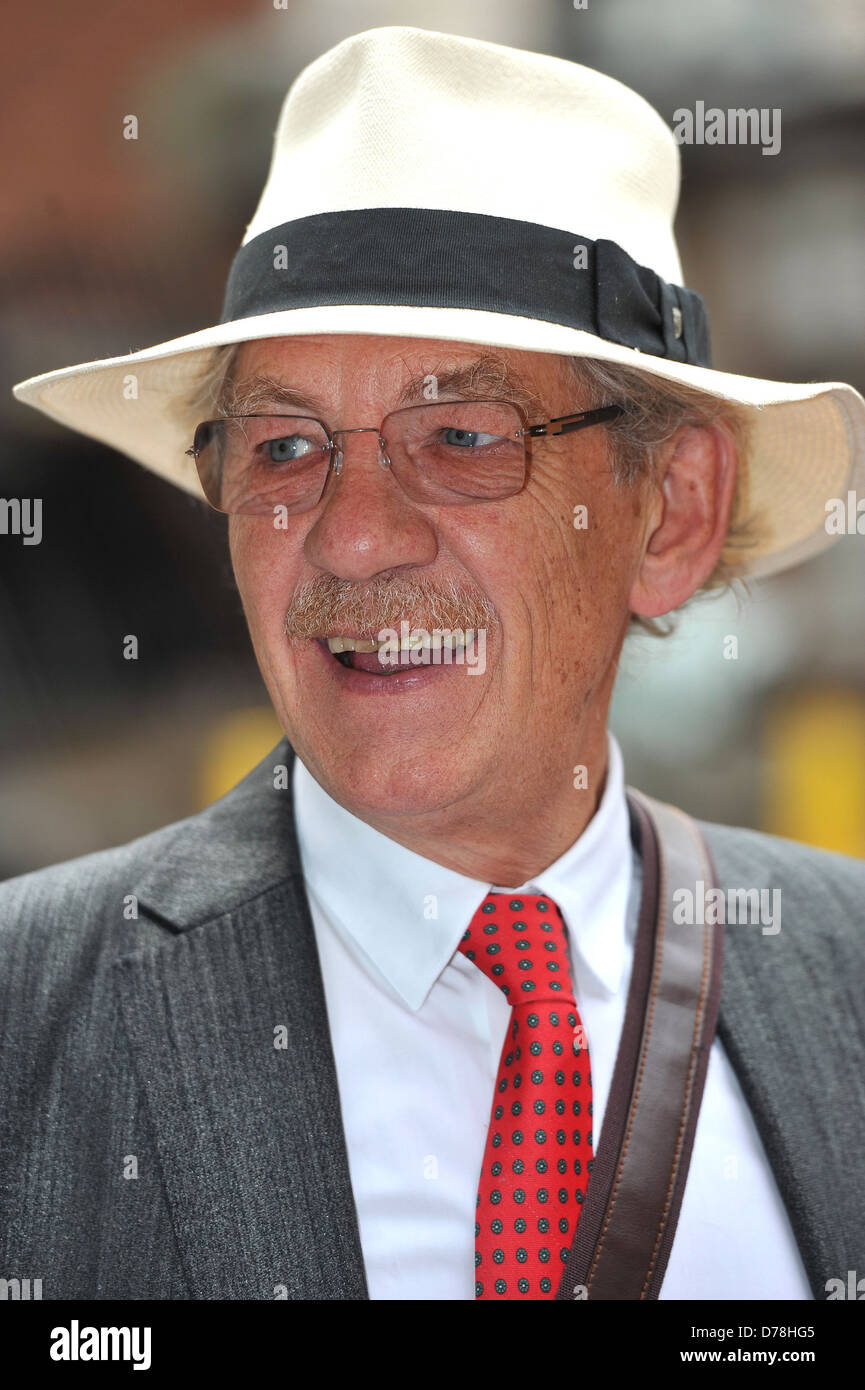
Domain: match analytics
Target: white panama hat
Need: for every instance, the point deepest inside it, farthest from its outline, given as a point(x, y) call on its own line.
point(393, 206)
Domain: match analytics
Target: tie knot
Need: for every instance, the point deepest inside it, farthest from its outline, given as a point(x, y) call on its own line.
point(519, 943)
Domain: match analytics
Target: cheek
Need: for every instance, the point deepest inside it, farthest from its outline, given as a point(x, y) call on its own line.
point(259, 560)
point(577, 568)
point(243, 554)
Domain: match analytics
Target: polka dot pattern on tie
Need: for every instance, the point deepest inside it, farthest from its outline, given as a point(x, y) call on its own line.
point(539, 1152)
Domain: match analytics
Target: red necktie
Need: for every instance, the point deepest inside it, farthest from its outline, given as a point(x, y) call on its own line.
point(538, 1154)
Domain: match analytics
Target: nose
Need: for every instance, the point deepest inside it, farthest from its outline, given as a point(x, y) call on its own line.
point(364, 523)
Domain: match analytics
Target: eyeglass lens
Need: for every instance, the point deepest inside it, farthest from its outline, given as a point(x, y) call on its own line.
point(442, 453)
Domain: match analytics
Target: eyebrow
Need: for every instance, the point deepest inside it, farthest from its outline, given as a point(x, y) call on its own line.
point(249, 395)
point(488, 376)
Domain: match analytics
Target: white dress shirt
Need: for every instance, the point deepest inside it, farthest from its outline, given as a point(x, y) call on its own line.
point(417, 1034)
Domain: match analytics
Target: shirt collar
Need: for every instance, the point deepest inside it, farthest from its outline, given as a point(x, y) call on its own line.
point(404, 914)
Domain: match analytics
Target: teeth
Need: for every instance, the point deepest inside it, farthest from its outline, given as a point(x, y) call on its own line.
point(352, 644)
point(416, 641)
point(425, 641)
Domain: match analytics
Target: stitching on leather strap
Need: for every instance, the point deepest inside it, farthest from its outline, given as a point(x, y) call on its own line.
point(689, 1082)
point(656, 980)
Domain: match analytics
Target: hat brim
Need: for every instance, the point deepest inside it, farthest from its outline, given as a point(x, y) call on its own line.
point(807, 442)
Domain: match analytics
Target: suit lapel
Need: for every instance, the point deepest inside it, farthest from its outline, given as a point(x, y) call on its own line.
point(227, 1022)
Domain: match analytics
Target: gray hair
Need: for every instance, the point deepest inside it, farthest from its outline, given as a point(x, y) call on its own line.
point(209, 396)
point(654, 408)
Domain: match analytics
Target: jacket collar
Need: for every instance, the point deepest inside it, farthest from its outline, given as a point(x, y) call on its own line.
point(241, 846)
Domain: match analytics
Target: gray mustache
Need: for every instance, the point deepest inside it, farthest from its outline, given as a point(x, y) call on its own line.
point(329, 605)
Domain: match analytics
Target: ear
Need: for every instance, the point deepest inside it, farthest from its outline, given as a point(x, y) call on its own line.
point(689, 508)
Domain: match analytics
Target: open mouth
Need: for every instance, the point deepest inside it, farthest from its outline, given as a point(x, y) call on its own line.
point(386, 658)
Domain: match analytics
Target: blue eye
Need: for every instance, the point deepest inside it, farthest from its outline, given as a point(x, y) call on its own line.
point(467, 439)
point(289, 448)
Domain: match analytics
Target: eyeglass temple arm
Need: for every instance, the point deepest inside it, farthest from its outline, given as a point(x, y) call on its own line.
point(565, 423)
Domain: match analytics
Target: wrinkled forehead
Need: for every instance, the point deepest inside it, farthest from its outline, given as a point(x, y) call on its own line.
point(403, 370)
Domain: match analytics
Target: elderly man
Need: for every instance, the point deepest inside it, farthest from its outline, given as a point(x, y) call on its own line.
point(419, 1010)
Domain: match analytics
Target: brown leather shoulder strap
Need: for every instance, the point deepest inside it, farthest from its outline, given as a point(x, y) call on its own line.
point(626, 1230)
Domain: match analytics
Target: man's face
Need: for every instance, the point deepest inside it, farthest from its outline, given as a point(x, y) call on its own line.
point(441, 742)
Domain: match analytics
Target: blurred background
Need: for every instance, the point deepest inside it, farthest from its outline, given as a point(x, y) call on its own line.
point(108, 245)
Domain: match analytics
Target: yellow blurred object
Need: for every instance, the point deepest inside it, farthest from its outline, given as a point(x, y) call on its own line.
point(815, 770)
point(232, 748)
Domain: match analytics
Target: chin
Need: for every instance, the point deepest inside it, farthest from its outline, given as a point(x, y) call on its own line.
point(374, 787)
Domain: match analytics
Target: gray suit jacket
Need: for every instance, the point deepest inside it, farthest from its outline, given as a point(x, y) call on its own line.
point(155, 1144)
